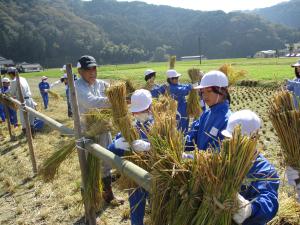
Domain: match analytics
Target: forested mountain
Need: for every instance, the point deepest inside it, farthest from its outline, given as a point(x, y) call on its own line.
point(286, 13)
point(53, 32)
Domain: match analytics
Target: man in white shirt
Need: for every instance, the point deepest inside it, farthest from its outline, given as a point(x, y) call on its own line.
point(12, 71)
point(91, 94)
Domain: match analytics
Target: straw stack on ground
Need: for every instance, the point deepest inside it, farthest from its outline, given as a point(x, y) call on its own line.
point(288, 213)
point(222, 176)
point(54, 95)
point(286, 121)
point(193, 100)
point(172, 61)
point(233, 75)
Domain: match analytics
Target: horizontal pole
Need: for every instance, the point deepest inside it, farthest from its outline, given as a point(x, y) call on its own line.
point(49, 121)
point(129, 169)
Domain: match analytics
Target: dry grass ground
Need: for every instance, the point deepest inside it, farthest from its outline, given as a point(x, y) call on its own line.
point(28, 200)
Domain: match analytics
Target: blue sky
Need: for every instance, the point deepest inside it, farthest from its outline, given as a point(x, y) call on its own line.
point(206, 5)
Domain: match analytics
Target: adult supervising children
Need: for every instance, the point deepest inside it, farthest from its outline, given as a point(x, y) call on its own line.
point(91, 94)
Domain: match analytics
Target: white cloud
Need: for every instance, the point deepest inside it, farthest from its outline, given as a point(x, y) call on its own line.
point(225, 5)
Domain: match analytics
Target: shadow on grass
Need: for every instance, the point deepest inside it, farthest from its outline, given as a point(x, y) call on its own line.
point(4, 151)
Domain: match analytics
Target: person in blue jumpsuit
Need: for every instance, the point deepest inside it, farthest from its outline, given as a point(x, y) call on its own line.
point(206, 131)
point(258, 196)
point(12, 113)
point(178, 92)
point(150, 76)
point(44, 88)
point(140, 107)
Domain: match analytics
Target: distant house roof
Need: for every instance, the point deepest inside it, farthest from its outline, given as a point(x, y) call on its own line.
point(268, 52)
point(30, 65)
point(4, 61)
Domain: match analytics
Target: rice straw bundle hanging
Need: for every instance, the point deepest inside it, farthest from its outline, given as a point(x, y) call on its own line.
point(172, 61)
point(129, 88)
point(50, 166)
point(54, 95)
point(288, 212)
point(232, 74)
point(123, 120)
point(286, 121)
point(193, 99)
point(223, 173)
point(116, 94)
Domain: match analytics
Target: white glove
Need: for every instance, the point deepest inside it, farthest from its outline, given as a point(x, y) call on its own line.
point(244, 210)
point(195, 85)
point(141, 146)
point(292, 175)
point(121, 143)
point(46, 90)
point(187, 156)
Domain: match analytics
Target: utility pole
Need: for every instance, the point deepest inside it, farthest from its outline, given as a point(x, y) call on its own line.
point(199, 45)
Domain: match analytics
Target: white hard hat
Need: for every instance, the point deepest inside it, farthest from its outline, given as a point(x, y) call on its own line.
point(213, 78)
point(5, 80)
point(149, 71)
point(172, 74)
point(140, 100)
point(296, 64)
point(249, 121)
point(44, 78)
point(63, 68)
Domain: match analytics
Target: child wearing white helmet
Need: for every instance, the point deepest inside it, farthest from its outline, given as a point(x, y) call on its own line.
point(258, 199)
point(178, 92)
point(207, 129)
point(44, 88)
point(140, 108)
point(294, 85)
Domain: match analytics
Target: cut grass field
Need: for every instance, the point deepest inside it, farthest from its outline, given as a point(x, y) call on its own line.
point(271, 69)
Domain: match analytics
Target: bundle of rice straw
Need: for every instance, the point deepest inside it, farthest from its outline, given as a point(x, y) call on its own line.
point(149, 85)
point(129, 87)
point(169, 174)
point(5, 101)
point(123, 120)
point(286, 121)
point(193, 99)
point(232, 74)
point(288, 213)
point(172, 61)
point(54, 95)
point(97, 121)
point(116, 94)
point(50, 166)
point(222, 176)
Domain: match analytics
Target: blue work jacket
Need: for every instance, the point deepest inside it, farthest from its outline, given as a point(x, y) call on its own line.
point(262, 191)
point(207, 129)
point(43, 86)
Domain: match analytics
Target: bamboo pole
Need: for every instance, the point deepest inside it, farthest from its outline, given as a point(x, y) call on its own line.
point(90, 215)
point(27, 125)
point(12, 137)
point(129, 169)
point(48, 120)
